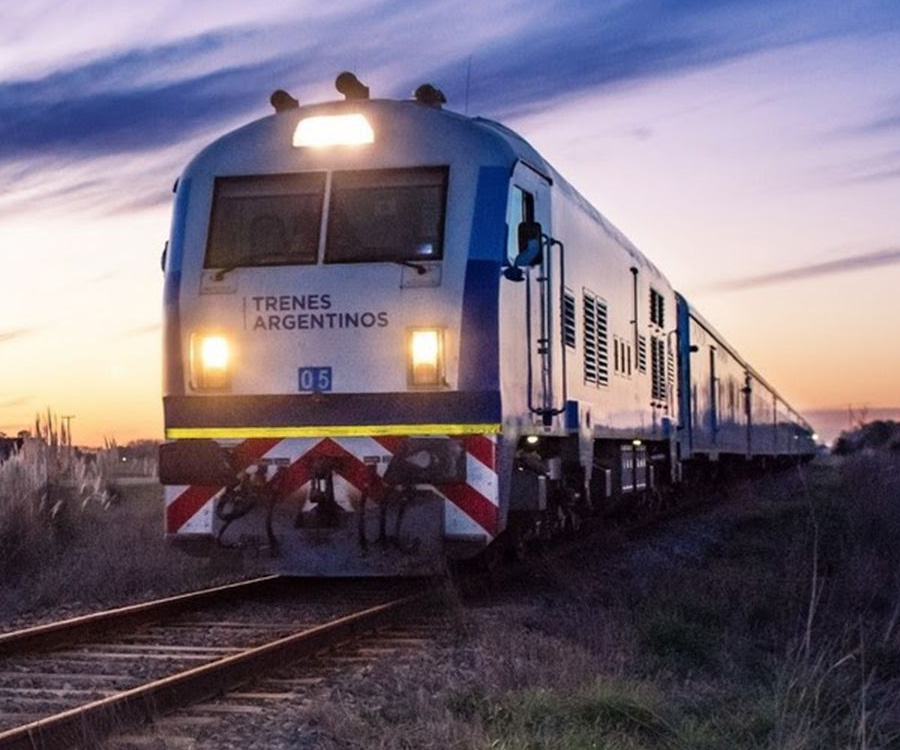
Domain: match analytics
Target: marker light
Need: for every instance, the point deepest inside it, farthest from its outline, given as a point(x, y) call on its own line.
point(426, 357)
point(210, 357)
point(333, 130)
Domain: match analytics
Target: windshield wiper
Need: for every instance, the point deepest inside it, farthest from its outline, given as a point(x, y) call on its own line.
point(220, 274)
point(417, 267)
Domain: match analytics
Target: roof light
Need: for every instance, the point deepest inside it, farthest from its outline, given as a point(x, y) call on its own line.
point(282, 101)
point(333, 130)
point(430, 96)
point(350, 86)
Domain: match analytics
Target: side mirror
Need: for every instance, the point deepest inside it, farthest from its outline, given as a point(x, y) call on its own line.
point(531, 245)
point(530, 242)
point(162, 259)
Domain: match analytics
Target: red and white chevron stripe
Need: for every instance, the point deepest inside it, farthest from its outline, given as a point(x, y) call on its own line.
point(471, 508)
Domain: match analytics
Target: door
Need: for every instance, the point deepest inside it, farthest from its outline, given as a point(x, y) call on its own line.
point(529, 202)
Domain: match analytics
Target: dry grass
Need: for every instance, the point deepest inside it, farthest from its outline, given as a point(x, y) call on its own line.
point(73, 537)
point(779, 630)
point(840, 684)
point(781, 635)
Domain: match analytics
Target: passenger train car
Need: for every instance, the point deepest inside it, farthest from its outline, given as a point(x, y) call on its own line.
point(395, 334)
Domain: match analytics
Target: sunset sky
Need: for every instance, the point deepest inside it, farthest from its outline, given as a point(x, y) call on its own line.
point(751, 148)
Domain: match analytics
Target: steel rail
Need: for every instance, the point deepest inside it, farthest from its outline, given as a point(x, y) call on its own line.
point(85, 725)
point(65, 632)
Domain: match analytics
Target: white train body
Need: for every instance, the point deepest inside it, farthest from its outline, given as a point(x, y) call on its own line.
point(367, 371)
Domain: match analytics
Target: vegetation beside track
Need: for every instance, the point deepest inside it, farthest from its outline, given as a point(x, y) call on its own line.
point(772, 621)
point(775, 625)
point(74, 536)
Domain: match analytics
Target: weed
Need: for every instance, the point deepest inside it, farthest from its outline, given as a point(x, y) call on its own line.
point(70, 535)
point(679, 642)
point(784, 634)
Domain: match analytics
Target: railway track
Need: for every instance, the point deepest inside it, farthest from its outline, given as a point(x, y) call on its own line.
point(68, 684)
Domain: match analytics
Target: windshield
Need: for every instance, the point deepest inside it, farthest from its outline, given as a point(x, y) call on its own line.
point(387, 215)
point(264, 221)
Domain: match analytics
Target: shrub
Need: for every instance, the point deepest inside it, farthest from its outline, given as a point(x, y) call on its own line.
point(880, 435)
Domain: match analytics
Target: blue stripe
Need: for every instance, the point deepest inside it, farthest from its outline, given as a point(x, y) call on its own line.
point(479, 364)
point(173, 369)
point(290, 410)
point(572, 416)
point(684, 371)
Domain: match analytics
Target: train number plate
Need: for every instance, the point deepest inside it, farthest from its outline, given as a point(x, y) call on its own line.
point(314, 379)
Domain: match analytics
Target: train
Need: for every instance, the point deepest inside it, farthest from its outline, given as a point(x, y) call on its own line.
point(395, 336)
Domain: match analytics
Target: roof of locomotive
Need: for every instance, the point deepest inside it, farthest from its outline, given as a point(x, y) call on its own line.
point(395, 123)
point(258, 147)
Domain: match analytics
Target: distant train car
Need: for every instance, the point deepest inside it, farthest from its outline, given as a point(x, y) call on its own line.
point(729, 413)
point(394, 334)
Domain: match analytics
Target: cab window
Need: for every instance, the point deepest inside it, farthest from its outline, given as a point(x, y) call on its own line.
point(265, 221)
point(387, 215)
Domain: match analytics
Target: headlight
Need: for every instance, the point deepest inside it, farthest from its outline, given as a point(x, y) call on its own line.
point(210, 362)
point(426, 356)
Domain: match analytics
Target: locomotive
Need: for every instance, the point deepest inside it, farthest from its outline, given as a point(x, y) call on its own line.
point(395, 336)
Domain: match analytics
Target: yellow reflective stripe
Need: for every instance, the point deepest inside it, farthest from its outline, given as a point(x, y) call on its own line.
point(175, 433)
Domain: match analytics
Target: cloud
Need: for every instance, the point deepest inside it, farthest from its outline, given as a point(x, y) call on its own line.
point(14, 402)
point(876, 259)
point(876, 165)
point(102, 184)
point(144, 101)
point(99, 278)
point(6, 336)
point(885, 124)
point(877, 175)
point(56, 116)
point(141, 330)
point(588, 45)
point(140, 99)
point(158, 104)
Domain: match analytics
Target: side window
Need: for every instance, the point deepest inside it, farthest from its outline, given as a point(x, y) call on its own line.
point(520, 208)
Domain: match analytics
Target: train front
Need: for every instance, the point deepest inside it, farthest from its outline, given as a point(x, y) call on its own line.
point(331, 391)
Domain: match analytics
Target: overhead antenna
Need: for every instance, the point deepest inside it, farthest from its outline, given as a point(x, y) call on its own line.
point(468, 80)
